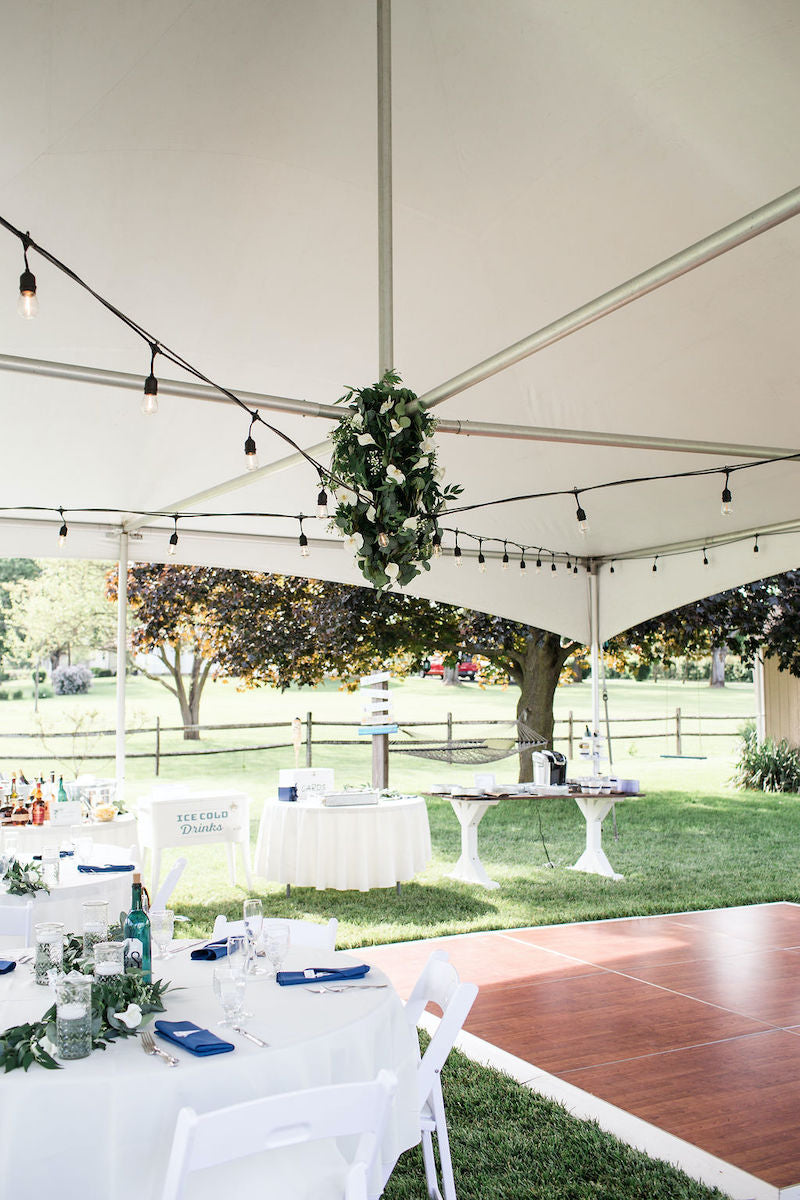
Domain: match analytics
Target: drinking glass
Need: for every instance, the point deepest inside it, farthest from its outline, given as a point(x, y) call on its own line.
point(238, 959)
point(229, 988)
point(109, 959)
point(74, 1016)
point(83, 850)
point(276, 943)
point(49, 950)
point(253, 913)
point(51, 865)
point(95, 925)
point(11, 842)
point(162, 928)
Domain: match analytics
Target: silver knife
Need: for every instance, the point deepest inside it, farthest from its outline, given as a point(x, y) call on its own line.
point(251, 1037)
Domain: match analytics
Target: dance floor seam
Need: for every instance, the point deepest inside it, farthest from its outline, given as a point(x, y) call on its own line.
point(687, 1025)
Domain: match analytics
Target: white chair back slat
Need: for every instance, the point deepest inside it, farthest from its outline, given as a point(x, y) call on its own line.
point(301, 933)
point(163, 894)
point(274, 1122)
point(16, 921)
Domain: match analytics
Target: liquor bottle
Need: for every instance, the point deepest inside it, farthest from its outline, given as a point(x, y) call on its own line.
point(13, 793)
point(137, 933)
point(38, 808)
point(62, 795)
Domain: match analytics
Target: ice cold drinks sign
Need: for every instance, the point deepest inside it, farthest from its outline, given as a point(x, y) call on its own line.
point(204, 820)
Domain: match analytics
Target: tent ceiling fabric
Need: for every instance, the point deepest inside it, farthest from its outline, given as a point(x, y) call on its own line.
point(211, 168)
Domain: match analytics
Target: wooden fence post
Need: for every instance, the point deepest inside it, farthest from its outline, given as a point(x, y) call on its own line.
point(308, 739)
point(678, 741)
point(158, 744)
point(569, 733)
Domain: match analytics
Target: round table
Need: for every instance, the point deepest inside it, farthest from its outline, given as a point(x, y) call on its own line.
point(31, 839)
point(104, 1124)
point(344, 847)
point(64, 903)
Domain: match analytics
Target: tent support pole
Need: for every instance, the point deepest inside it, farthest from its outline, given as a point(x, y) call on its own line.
point(122, 651)
point(761, 708)
point(594, 626)
point(380, 742)
point(727, 238)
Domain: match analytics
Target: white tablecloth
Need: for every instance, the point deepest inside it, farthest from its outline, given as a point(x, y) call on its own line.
point(75, 888)
point(31, 839)
point(360, 847)
point(103, 1125)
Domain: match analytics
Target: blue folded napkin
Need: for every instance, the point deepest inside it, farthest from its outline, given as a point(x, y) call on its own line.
point(212, 951)
point(321, 975)
point(7, 965)
point(61, 854)
point(86, 869)
point(191, 1037)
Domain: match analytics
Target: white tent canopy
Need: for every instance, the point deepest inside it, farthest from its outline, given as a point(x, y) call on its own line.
point(211, 168)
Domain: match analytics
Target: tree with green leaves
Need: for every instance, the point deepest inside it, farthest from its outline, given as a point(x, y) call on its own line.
point(12, 570)
point(62, 610)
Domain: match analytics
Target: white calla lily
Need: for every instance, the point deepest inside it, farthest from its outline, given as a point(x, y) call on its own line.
point(393, 472)
point(366, 439)
point(396, 428)
point(131, 1017)
point(371, 514)
point(410, 523)
point(392, 570)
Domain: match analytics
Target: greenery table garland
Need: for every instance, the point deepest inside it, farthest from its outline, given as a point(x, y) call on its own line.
point(25, 880)
point(385, 454)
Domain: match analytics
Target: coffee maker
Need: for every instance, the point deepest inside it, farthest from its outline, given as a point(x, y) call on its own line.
point(549, 768)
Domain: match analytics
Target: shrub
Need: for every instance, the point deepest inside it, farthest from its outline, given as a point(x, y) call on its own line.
point(42, 676)
point(771, 767)
point(17, 694)
point(103, 672)
point(3, 695)
point(72, 681)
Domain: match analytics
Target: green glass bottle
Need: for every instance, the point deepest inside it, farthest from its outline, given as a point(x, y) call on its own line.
point(137, 934)
point(62, 795)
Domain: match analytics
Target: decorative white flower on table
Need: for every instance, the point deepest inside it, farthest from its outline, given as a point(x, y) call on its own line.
point(393, 472)
point(392, 570)
point(387, 404)
point(366, 439)
point(395, 428)
point(131, 1017)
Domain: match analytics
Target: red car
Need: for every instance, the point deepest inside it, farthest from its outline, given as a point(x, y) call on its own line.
point(466, 669)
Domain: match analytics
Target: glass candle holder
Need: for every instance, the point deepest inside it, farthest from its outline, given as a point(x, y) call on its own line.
point(109, 959)
point(95, 925)
point(74, 1016)
point(49, 950)
point(51, 865)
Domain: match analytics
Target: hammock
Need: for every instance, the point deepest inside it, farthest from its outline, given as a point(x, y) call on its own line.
point(488, 743)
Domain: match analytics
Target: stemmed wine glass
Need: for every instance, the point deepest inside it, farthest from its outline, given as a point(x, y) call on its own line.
point(253, 913)
point(229, 988)
point(162, 928)
point(276, 943)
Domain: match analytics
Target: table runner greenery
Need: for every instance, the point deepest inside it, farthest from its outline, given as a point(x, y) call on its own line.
point(24, 880)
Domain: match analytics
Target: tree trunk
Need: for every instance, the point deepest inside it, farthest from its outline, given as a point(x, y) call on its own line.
point(450, 676)
point(718, 656)
point(537, 676)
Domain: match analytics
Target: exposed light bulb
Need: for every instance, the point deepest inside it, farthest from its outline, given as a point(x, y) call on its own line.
point(436, 542)
point(611, 569)
point(173, 542)
point(553, 566)
point(383, 539)
point(538, 563)
point(522, 564)
point(28, 303)
point(755, 545)
point(481, 559)
point(583, 522)
point(322, 504)
point(705, 557)
point(150, 397)
point(727, 499)
point(62, 533)
point(575, 569)
point(250, 453)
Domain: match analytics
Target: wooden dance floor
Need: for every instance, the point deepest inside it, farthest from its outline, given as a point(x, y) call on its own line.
point(688, 1023)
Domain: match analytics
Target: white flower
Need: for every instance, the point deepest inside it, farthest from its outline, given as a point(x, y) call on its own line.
point(396, 428)
point(392, 570)
point(422, 462)
point(428, 444)
point(131, 1017)
point(354, 542)
point(411, 523)
point(357, 421)
point(387, 404)
point(371, 514)
point(439, 473)
point(392, 472)
point(344, 496)
point(366, 439)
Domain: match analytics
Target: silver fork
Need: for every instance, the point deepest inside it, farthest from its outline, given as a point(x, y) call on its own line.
point(149, 1047)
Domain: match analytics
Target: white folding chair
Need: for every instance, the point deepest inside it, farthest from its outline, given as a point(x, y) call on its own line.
point(301, 933)
point(292, 1119)
point(438, 984)
point(16, 921)
point(170, 883)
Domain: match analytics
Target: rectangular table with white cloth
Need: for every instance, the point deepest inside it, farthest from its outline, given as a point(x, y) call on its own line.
point(31, 839)
point(176, 816)
point(359, 847)
point(103, 1125)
